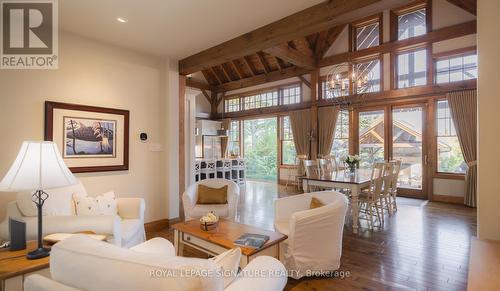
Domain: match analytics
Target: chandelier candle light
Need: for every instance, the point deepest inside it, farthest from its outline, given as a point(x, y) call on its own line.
point(38, 166)
point(347, 84)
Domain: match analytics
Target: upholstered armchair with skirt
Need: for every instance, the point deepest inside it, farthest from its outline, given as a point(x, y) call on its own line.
point(193, 210)
point(314, 235)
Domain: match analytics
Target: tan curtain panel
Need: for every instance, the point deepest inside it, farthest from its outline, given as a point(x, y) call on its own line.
point(327, 120)
point(463, 108)
point(300, 122)
point(226, 123)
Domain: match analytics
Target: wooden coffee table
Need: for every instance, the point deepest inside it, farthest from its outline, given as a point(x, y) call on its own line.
point(217, 241)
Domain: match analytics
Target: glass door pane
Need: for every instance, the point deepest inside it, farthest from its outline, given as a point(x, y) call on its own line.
point(407, 132)
point(371, 137)
point(260, 137)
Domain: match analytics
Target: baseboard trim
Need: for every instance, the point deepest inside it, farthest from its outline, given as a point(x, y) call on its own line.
point(161, 224)
point(448, 199)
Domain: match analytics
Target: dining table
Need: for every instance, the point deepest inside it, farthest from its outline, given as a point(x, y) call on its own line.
point(343, 179)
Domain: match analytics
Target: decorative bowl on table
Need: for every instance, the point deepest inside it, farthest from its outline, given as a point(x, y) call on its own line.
point(209, 222)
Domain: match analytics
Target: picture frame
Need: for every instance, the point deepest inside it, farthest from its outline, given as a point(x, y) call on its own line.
point(90, 138)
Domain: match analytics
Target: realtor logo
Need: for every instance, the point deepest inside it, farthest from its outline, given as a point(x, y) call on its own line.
point(29, 34)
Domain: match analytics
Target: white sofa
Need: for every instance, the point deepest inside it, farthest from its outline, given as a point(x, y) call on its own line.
point(194, 211)
point(126, 229)
point(314, 235)
point(82, 263)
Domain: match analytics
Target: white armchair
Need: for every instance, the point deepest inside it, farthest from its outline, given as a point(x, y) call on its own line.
point(125, 229)
point(228, 211)
point(82, 263)
point(314, 235)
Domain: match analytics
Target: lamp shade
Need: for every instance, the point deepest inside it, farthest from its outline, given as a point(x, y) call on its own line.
point(38, 166)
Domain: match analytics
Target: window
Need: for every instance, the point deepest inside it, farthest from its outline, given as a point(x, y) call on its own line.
point(340, 147)
point(234, 139)
point(450, 158)
point(371, 137)
point(288, 94)
point(232, 105)
point(264, 99)
point(411, 24)
point(371, 69)
point(291, 95)
point(288, 154)
point(366, 34)
point(456, 68)
point(412, 69)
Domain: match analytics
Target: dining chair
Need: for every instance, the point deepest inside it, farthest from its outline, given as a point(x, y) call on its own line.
point(299, 159)
point(394, 184)
point(385, 196)
point(312, 168)
point(325, 167)
point(369, 199)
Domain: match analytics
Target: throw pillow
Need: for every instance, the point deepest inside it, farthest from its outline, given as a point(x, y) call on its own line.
point(207, 195)
point(104, 204)
point(107, 203)
point(315, 203)
point(229, 262)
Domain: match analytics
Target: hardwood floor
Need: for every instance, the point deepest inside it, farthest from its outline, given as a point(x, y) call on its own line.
point(424, 246)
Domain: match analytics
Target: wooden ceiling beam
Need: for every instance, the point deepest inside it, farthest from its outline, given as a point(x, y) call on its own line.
point(467, 5)
point(313, 19)
point(263, 78)
point(216, 76)
point(441, 34)
point(238, 70)
point(207, 96)
point(293, 56)
point(326, 41)
point(250, 65)
point(198, 85)
point(304, 80)
point(263, 62)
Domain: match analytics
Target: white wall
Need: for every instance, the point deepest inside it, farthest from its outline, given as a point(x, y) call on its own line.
point(93, 73)
point(488, 104)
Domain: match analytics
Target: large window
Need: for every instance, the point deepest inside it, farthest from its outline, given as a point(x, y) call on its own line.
point(411, 23)
point(412, 69)
point(450, 158)
point(260, 141)
point(288, 153)
point(265, 99)
point(372, 70)
point(291, 95)
point(232, 105)
point(366, 33)
point(234, 138)
point(371, 137)
point(340, 147)
point(456, 68)
point(288, 94)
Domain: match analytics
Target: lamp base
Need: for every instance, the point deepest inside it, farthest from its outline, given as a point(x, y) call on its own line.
point(38, 253)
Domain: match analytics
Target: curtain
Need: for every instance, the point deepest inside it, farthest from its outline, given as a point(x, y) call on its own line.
point(327, 119)
point(463, 109)
point(300, 122)
point(226, 123)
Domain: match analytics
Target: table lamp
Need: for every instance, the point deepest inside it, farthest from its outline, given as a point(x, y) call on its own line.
point(38, 166)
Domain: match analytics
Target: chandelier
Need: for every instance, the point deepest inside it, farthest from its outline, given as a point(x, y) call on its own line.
point(347, 84)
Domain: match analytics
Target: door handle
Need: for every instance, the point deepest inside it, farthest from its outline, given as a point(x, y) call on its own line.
point(426, 160)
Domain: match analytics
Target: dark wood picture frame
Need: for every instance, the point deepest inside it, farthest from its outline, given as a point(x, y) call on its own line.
point(49, 126)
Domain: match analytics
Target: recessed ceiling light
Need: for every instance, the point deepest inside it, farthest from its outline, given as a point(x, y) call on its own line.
point(122, 20)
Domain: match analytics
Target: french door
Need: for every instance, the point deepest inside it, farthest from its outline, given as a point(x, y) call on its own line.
point(409, 144)
point(395, 132)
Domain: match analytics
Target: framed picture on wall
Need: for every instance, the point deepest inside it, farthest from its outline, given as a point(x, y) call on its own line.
point(91, 139)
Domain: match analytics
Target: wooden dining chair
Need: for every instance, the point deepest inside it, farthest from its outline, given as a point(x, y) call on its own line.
point(369, 199)
point(394, 183)
point(312, 168)
point(385, 196)
point(325, 167)
point(300, 170)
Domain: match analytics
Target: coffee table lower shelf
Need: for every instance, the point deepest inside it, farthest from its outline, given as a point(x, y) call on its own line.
point(218, 241)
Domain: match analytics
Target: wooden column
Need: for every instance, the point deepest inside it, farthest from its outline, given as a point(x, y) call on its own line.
point(182, 146)
point(213, 105)
point(314, 113)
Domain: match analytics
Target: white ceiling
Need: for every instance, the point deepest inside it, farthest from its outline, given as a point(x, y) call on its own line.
point(175, 28)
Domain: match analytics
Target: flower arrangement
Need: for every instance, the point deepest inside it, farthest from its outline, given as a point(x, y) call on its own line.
point(352, 162)
point(209, 221)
